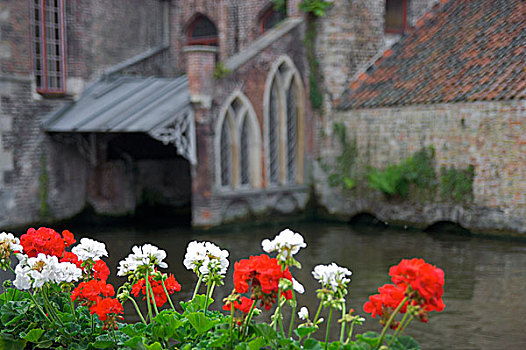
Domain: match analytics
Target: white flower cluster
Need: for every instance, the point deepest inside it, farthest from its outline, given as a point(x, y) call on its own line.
point(287, 243)
point(332, 276)
point(10, 242)
point(298, 287)
point(148, 256)
point(89, 248)
point(303, 314)
point(206, 257)
point(35, 272)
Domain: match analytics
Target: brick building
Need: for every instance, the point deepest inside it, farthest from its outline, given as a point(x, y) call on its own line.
point(116, 104)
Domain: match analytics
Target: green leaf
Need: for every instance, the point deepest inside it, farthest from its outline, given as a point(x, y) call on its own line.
point(257, 343)
point(265, 331)
point(135, 343)
point(103, 342)
point(304, 331)
point(200, 322)
point(312, 344)
point(197, 304)
point(405, 343)
point(154, 346)
point(9, 343)
point(34, 335)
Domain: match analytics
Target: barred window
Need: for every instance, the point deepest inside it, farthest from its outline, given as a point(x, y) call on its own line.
point(202, 31)
point(48, 45)
point(238, 144)
point(283, 125)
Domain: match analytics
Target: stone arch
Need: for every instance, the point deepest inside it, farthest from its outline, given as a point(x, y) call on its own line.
point(285, 77)
point(239, 113)
point(212, 35)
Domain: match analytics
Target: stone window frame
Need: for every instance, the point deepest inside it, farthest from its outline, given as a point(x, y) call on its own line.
point(41, 42)
point(208, 41)
point(290, 79)
point(404, 18)
point(236, 118)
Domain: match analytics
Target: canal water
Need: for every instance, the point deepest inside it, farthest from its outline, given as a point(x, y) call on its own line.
point(485, 290)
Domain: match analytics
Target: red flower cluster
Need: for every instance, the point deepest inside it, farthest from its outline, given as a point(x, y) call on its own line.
point(46, 241)
point(421, 282)
point(108, 310)
point(170, 283)
point(72, 258)
point(243, 305)
point(92, 292)
point(260, 275)
point(101, 271)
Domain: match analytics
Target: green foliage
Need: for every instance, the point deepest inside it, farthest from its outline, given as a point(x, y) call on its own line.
point(220, 71)
point(315, 7)
point(280, 5)
point(315, 96)
point(457, 184)
point(341, 176)
point(417, 171)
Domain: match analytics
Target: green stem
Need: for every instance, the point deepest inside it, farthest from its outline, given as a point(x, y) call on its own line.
point(328, 328)
point(294, 305)
point(92, 323)
point(150, 290)
point(137, 309)
point(342, 332)
point(167, 295)
point(50, 307)
point(39, 307)
point(150, 314)
point(388, 324)
point(317, 313)
point(197, 286)
point(249, 317)
point(350, 332)
point(401, 328)
point(231, 325)
point(209, 288)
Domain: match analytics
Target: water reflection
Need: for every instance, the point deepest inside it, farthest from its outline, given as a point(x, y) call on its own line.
point(485, 280)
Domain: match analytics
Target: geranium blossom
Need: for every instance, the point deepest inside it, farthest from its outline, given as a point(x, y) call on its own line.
point(287, 243)
point(90, 249)
point(42, 241)
point(244, 305)
point(147, 256)
point(332, 276)
point(206, 257)
point(92, 291)
point(101, 271)
point(261, 275)
point(34, 272)
point(8, 244)
point(160, 296)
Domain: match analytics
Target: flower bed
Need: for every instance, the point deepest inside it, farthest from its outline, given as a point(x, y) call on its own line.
point(60, 298)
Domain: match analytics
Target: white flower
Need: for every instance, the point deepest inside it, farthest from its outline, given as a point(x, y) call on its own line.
point(298, 287)
point(287, 243)
point(22, 280)
point(207, 258)
point(89, 248)
point(67, 272)
point(332, 276)
point(10, 242)
point(303, 314)
point(147, 255)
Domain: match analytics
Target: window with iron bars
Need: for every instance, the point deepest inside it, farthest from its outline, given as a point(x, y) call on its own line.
point(48, 45)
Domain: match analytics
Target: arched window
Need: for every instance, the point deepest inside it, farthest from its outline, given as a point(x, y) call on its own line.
point(238, 145)
point(284, 124)
point(271, 17)
point(202, 31)
point(395, 16)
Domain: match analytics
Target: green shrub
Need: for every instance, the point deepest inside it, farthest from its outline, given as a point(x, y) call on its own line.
point(457, 184)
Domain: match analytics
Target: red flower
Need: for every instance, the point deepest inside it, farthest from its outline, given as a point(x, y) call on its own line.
point(68, 238)
point(92, 291)
point(105, 307)
point(160, 296)
point(101, 270)
point(260, 275)
point(72, 258)
point(389, 298)
point(44, 240)
point(423, 278)
point(244, 305)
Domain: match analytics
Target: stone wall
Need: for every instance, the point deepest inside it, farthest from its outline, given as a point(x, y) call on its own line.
point(488, 135)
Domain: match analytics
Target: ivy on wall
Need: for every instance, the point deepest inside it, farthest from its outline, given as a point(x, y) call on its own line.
point(343, 172)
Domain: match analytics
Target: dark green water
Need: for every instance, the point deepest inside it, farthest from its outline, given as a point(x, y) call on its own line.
point(485, 291)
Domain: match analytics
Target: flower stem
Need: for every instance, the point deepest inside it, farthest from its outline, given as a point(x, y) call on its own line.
point(388, 324)
point(317, 313)
point(350, 332)
point(328, 328)
point(231, 324)
point(197, 286)
point(293, 315)
point(137, 309)
point(342, 332)
point(39, 307)
point(209, 287)
point(150, 314)
point(249, 317)
point(167, 295)
point(401, 328)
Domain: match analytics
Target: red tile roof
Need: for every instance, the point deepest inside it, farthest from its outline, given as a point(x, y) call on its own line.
point(463, 50)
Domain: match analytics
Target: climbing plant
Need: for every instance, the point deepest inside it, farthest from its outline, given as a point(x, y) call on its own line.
point(457, 184)
point(342, 173)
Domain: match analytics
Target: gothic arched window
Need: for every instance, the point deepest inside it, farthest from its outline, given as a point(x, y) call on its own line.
point(202, 31)
point(238, 145)
point(284, 121)
point(271, 17)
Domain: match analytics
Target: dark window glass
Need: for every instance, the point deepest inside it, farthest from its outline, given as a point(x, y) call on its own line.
point(202, 32)
point(226, 155)
point(271, 18)
point(395, 16)
point(292, 126)
point(273, 134)
point(245, 152)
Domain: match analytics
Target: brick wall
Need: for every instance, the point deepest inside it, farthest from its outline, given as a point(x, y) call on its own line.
point(488, 135)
